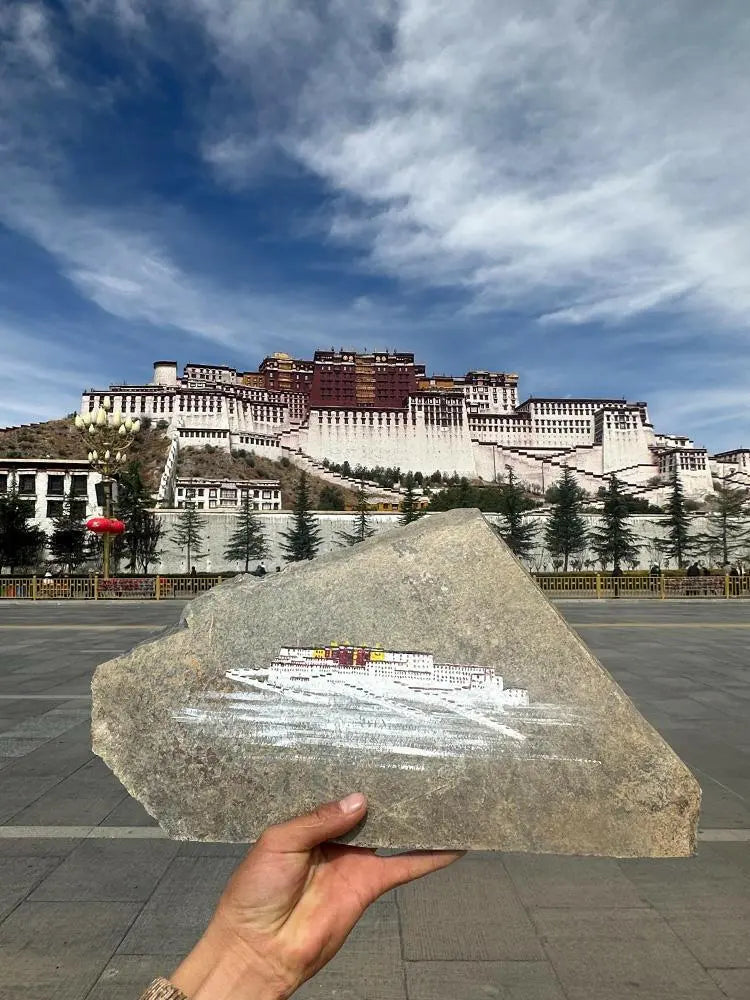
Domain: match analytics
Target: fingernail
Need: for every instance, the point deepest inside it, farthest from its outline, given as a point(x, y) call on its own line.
point(352, 803)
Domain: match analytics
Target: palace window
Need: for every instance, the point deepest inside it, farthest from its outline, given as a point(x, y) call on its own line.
point(55, 486)
point(54, 508)
point(27, 484)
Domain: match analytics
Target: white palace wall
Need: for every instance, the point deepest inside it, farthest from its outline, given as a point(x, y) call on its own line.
point(387, 438)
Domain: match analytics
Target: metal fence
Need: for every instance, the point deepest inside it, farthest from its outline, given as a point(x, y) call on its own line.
point(642, 585)
point(94, 588)
point(585, 585)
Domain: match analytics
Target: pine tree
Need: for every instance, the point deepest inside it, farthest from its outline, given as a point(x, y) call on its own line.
point(361, 527)
point(143, 530)
point(248, 541)
point(67, 543)
point(565, 533)
point(678, 544)
point(518, 535)
point(302, 540)
point(409, 509)
point(614, 541)
point(188, 533)
point(728, 523)
point(21, 544)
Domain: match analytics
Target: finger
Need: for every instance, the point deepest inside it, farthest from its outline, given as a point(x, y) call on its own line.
point(402, 868)
point(326, 822)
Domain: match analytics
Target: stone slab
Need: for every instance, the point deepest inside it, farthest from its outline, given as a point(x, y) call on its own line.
point(179, 910)
point(735, 983)
point(18, 877)
point(217, 755)
point(468, 912)
point(482, 981)
point(543, 881)
point(56, 951)
point(86, 796)
point(117, 870)
point(620, 955)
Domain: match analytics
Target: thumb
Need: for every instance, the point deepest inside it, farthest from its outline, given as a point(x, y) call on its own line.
point(324, 823)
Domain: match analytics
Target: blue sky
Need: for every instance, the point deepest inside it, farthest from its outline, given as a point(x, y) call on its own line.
point(558, 189)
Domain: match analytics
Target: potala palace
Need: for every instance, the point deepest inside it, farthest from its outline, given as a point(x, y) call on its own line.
point(383, 409)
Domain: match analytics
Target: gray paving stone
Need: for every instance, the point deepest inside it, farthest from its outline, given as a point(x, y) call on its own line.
point(56, 951)
point(127, 976)
point(18, 877)
point(109, 870)
point(17, 791)
point(369, 966)
point(177, 913)
point(468, 912)
point(129, 812)
point(46, 847)
point(59, 757)
point(482, 981)
point(735, 983)
point(86, 796)
point(197, 849)
point(620, 955)
point(733, 854)
point(541, 880)
point(19, 746)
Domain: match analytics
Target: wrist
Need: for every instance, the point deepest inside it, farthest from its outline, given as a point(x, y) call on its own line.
point(216, 969)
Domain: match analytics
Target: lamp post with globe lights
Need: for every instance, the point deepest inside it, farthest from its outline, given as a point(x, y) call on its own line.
point(109, 436)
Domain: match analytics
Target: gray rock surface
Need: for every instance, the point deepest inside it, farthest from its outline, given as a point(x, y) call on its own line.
point(577, 771)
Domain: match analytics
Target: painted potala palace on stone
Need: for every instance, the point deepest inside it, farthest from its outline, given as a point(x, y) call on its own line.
point(382, 409)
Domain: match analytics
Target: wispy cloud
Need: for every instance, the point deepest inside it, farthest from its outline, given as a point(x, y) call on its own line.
point(585, 158)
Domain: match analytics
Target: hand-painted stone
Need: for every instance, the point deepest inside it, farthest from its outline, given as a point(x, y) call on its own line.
point(422, 667)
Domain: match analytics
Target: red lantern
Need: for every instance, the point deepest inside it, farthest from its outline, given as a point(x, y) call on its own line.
point(105, 525)
point(99, 525)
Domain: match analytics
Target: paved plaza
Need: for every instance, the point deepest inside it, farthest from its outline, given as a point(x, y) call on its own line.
point(94, 903)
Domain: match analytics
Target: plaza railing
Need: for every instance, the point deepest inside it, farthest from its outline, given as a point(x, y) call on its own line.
point(662, 586)
point(671, 584)
point(95, 588)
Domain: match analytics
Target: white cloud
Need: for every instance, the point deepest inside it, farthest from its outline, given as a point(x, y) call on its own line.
point(581, 157)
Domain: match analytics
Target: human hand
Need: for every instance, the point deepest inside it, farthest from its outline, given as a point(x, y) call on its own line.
point(290, 905)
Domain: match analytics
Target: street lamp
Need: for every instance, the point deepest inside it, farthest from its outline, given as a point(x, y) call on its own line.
point(108, 435)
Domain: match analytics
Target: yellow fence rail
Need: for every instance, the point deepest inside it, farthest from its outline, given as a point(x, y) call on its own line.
point(94, 588)
point(584, 585)
point(659, 586)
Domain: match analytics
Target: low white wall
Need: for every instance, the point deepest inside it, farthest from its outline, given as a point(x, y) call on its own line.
point(220, 525)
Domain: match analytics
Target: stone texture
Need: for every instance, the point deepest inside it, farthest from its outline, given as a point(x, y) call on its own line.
point(605, 783)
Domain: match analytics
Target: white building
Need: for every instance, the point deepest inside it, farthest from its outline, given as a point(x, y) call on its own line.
point(225, 494)
point(473, 425)
point(45, 483)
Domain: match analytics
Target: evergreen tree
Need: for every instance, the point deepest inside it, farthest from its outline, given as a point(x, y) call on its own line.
point(728, 524)
point(188, 533)
point(409, 509)
point(248, 541)
point(67, 543)
point(614, 541)
point(678, 544)
point(331, 498)
point(565, 533)
point(21, 544)
point(518, 535)
point(143, 530)
point(302, 540)
point(361, 527)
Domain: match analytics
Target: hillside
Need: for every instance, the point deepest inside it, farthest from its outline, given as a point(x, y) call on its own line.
point(213, 463)
point(60, 439)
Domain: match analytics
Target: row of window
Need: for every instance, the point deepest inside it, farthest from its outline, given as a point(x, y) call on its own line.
point(26, 483)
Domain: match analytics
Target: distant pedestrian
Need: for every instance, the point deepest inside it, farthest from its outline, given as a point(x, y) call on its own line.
point(692, 571)
point(617, 575)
